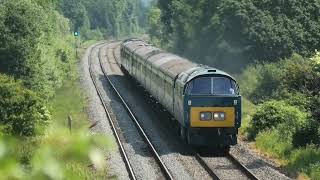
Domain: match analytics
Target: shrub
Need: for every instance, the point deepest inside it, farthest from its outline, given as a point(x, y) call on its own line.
point(314, 107)
point(59, 155)
point(247, 111)
point(306, 160)
point(301, 75)
point(249, 80)
point(307, 134)
point(297, 99)
point(269, 81)
point(22, 113)
point(315, 171)
point(261, 81)
point(273, 113)
point(274, 142)
point(95, 34)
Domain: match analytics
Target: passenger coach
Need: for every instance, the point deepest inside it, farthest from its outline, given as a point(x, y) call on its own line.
point(205, 101)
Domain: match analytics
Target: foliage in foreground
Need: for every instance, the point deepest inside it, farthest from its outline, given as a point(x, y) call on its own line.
point(37, 52)
point(71, 160)
point(58, 154)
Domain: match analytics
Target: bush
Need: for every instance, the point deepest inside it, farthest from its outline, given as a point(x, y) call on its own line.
point(273, 113)
point(22, 113)
point(261, 81)
point(249, 80)
point(59, 155)
point(95, 34)
point(306, 160)
point(270, 80)
point(274, 142)
point(247, 111)
point(307, 134)
point(302, 75)
point(314, 107)
point(297, 99)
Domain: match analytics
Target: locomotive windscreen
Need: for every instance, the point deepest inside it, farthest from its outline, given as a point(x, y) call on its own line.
point(212, 86)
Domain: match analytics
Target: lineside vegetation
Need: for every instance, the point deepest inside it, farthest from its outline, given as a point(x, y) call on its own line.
point(270, 46)
point(39, 85)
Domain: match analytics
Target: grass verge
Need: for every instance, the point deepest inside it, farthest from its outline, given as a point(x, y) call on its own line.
point(70, 101)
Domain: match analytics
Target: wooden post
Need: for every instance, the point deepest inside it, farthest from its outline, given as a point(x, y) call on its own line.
point(70, 122)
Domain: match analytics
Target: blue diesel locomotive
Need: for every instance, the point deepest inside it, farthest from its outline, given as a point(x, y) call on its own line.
point(205, 101)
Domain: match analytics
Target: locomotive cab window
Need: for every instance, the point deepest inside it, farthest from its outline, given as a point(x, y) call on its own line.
point(212, 86)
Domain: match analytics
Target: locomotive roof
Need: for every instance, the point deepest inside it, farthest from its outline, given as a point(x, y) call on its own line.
point(206, 70)
point(171, 64)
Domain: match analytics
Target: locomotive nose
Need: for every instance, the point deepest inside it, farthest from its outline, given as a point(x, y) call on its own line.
point(217, 112)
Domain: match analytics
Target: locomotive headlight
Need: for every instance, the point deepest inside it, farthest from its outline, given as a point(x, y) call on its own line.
point(205, 116)
point(219, 116)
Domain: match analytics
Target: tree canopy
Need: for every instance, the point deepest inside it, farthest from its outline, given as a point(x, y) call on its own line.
point(112, 18)
point(229, 33)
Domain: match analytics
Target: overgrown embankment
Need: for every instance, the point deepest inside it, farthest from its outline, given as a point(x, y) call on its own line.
point(39, 86)
point(286, 122)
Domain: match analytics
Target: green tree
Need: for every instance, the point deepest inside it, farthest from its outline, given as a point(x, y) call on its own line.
point(231, 33)
point(34, 46)
point(75, 11)
point(22, 112)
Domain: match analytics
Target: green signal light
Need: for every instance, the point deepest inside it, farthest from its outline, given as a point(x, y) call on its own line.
point(76, 34)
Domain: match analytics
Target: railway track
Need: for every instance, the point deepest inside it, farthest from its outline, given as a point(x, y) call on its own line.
point(116, 134)
point(213, 173)
point(206, 166)
point(139, 128)
point(200, 159)
point(249, 174)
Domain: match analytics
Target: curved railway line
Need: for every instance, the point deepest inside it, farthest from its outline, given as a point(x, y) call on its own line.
point(121, 149)
point(164, 169)
point(212, 172)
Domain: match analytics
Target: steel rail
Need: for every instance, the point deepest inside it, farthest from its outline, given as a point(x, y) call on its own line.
point(163, 167)
point(121, 148)
point(206, 167)
point(242, 167)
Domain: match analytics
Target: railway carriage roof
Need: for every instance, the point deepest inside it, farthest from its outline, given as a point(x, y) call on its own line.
point(134, 45)
point(147, 51)
point(172, 64)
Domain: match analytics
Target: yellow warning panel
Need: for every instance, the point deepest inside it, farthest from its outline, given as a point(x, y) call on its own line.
point(197, 122)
